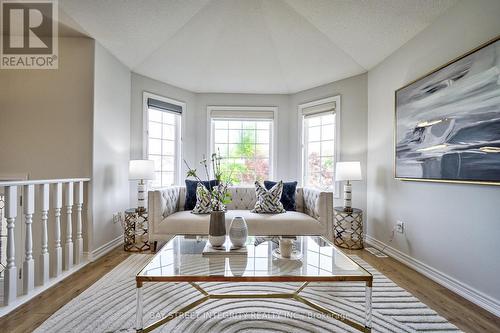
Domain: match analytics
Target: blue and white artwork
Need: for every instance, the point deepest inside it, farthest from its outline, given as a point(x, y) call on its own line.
point(448, 123)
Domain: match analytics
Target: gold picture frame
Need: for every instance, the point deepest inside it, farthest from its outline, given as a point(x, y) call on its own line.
point(395, 124)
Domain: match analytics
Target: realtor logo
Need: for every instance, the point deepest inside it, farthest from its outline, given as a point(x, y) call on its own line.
point(29, 34)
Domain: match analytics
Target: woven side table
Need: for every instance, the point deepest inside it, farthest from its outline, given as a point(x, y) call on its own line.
point(136, 238)
point(348, 228)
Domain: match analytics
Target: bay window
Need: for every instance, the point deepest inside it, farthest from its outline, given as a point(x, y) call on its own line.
point(163, 138)
point(243, 136)
point(319, 143)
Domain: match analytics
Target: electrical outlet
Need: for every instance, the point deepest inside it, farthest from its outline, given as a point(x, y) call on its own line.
point(400, 227)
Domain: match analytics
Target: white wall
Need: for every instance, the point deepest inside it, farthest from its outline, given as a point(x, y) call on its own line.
point(451, 228)
point(111, 145)
point(353, 128)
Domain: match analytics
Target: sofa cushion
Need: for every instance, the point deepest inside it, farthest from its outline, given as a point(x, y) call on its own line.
point(288, 195)
point(191, 191)
point(289, 223)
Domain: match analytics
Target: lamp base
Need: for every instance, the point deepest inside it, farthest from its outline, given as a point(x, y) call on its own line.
point(141, 196)
point(347, 197)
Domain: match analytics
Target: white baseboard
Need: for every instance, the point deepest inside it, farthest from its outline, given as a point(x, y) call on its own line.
point(484, 301)
point(103, 249)
point(20, 300)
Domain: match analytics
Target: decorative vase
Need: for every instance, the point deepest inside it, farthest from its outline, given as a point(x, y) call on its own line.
point(238, 231)
point(217, 228)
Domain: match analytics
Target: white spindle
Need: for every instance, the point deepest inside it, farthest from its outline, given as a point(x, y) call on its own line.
point(68, 245)
point(79, 238)
point(44, 255)
point(57, 202)
point(10, 277)
point(29, 263)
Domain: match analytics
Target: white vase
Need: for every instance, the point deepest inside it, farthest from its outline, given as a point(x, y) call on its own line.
point(238, 231)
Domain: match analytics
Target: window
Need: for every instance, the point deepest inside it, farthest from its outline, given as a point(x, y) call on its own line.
point(244, 138)
point(163, 132)
point(319, 143)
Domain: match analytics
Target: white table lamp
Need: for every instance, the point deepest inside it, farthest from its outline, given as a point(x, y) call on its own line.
point(348, 171)
point(141, 170)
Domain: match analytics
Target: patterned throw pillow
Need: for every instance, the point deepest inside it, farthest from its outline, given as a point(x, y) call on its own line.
point(268, 201)
point(288, 195)
point(202, 200)
point(191, 186)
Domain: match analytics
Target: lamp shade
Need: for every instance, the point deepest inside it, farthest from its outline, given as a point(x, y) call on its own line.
point(141, 169)
point(348, 171)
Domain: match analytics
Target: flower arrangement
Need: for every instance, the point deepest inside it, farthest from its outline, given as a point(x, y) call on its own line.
point(219, 195)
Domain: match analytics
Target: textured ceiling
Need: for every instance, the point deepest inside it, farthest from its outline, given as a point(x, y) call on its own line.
point(252, 46)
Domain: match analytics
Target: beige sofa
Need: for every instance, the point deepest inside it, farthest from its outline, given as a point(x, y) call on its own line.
point(314, 214)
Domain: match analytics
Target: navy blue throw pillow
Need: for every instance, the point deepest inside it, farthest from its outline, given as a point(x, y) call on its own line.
point(288, 195)
point(191, 191)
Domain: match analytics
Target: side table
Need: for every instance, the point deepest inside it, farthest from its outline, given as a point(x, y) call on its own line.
point(348, 228)
point(135, 235)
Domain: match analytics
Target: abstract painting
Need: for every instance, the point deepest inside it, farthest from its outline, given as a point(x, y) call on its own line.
point(448, 122)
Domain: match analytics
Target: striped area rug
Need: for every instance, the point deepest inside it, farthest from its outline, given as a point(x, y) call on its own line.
point(109, 306)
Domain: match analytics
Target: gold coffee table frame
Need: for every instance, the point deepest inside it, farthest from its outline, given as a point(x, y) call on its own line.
point(205, 296)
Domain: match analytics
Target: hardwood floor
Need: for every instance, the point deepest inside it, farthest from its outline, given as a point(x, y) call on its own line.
point(33, 313)
point(457, 310)
point(462, 313)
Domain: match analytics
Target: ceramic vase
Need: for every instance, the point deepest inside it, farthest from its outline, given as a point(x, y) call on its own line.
point(238, 231)
point(217, 228)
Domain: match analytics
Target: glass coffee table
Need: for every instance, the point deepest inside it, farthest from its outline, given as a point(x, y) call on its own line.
point(181, 260)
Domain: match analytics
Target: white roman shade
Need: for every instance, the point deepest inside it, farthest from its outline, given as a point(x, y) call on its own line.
point(319, 110)
point(233, 114)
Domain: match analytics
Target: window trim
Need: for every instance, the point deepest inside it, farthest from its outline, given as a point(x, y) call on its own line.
point(179, 132)
point(301, 136)
point(273, 147)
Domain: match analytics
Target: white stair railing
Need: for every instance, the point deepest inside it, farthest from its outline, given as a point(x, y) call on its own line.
point(35, 264)
point(44, 254)
point(57, 202)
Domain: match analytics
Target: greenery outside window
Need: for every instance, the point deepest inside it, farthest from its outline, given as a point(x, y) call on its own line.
point(245, 141)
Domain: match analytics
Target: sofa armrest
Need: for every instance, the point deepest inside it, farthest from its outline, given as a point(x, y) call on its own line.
point(162, 203)
point(319, 205)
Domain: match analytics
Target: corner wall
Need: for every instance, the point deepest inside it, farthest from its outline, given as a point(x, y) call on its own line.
point(452, 230)
point(111, 147)
point(353, 128)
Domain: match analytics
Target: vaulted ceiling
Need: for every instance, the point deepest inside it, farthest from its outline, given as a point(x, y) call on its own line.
point(252, 46)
